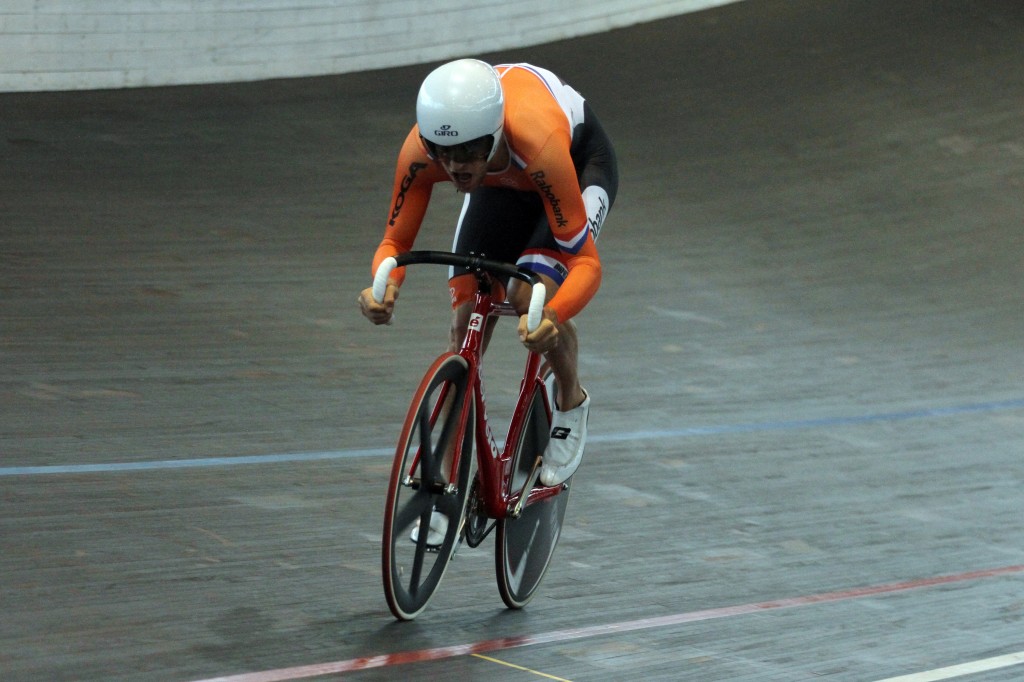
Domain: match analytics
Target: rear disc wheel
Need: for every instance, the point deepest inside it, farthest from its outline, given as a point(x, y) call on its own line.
point(525, 545)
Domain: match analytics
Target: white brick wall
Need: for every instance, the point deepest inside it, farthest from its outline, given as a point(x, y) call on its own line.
point(86, 44)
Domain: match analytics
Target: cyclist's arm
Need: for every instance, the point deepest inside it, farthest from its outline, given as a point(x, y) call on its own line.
point(567, 215)
point(580, 284)
point(415, 175)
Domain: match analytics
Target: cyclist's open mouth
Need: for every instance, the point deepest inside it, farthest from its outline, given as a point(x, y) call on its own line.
point(462, 181)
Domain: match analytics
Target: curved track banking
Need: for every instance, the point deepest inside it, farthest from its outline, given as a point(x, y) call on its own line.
point(805, 362)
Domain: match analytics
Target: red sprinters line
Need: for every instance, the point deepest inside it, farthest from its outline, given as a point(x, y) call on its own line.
point(439, 653)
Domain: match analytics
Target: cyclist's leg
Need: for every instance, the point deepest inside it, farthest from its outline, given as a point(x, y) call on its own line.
point(564, 357)
point(543, 256)
point(495, 223)
point(564, 361)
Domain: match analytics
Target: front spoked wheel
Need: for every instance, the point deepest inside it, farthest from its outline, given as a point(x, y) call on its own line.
point(526, 544)
point(438, 430)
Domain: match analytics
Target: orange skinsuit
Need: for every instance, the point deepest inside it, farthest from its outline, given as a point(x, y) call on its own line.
point(538, 130)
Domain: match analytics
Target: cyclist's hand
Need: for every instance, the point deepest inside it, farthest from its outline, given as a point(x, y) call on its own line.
point(542, 339)
point(378, 313)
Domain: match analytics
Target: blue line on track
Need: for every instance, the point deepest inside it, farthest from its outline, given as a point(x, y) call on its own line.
point(725, 429)
point(996, 406)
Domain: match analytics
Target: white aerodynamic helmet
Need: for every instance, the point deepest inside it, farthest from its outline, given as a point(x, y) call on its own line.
point(461, 102)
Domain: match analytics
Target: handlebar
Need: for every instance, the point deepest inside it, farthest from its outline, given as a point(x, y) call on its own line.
point(471, 263)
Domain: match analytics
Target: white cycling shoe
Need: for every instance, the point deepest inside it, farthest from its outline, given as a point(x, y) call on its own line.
point(565, 448)
point(438, 529)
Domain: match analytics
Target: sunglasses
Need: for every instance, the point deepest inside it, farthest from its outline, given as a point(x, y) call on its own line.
point(474, 150)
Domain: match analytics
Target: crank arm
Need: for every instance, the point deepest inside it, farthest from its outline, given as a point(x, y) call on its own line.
point(525, 492)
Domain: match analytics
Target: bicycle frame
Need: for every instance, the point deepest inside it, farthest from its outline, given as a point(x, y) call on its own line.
point(494, 464)
point(433, 487)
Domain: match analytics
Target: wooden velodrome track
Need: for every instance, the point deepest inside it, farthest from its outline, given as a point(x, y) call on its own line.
point(807, 441)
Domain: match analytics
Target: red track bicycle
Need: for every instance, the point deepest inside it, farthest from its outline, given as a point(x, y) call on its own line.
point(435, 470)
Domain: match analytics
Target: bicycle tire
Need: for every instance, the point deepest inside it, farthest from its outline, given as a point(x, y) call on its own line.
point(525, 545)
point(411, 570)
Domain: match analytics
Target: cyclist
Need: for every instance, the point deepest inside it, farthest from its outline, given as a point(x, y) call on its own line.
point(540, 175)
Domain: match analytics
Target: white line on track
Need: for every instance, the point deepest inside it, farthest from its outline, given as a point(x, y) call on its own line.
point(962, 669)
point(685, 316)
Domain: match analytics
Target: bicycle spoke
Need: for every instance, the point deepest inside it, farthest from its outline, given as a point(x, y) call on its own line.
point(412, 509)
point(433, 443)
point(426, 451)
point(421, 553)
